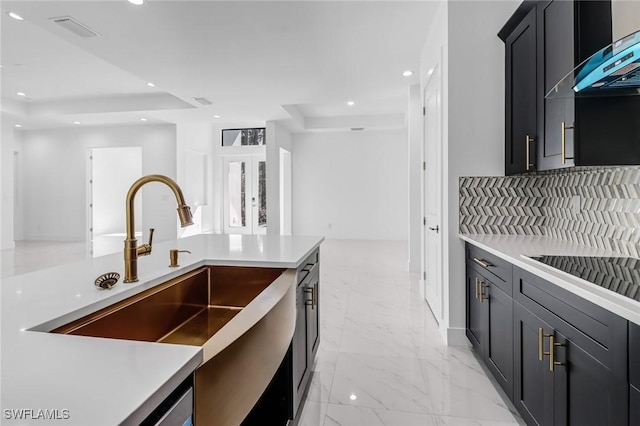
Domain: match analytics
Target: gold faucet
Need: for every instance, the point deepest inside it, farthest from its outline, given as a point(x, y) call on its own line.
point(131, 249)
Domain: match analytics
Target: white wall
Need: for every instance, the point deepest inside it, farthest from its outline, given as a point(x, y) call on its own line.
point(55, 178)
point(473, 103)
point(109, 189)
point(278, 136)
point(351, 184)
point(197, 142)
point(6, 190)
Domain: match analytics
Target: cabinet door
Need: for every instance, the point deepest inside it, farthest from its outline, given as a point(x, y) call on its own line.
point(555, 24)
point(476, 314)
point(300, 357)
point(499, 342)
point(586, 392)
point(634, 406)
point(520, 96)
point(313, 316)
point(533, 382)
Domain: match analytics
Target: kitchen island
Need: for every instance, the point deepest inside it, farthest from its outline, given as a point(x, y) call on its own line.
point(94, 381)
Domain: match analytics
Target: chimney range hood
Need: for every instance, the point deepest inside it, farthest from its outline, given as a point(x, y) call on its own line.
point(612, 71)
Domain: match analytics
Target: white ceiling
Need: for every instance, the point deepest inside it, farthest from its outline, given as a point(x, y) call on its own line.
point(256, 61)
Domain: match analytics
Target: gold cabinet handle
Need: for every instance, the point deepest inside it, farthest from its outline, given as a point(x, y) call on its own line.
point(528, 140)
point(482, 295)
point(541, 336)
point(309, 290)
point(313, 302)
point(477, 288)
point(552, 353)
point(314, 296)
point(482, 263)
point(564, 143)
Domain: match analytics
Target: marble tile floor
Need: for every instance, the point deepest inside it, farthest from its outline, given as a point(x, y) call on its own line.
point(381, 360)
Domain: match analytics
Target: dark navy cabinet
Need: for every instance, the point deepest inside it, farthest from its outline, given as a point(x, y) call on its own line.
point(544, 41)
point(560, 358)
point(490, 314)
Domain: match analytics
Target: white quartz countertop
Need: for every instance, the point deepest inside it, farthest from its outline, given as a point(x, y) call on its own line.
point(90, 381)
point(516, 248)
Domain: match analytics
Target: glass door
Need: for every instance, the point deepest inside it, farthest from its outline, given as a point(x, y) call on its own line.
point(245, 194)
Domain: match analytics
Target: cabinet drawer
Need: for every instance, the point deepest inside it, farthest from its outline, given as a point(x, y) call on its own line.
point(493, 267)
point(309, 264)
point(600, 332)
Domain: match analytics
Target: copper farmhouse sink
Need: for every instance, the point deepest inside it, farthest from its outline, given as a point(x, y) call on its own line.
point(188, 309)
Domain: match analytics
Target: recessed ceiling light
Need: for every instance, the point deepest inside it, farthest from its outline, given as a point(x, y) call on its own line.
point(15, 16)
point(143, 119)
point(21, 94)
point(351, 103)
point(136, 2)
point(430, 71)
point(76, 122)
point(150, 84)
point(407, 73)
point(17, 125)
point(216, 116)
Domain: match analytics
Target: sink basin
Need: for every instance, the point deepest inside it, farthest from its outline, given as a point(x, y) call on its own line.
point(243, 318)
point(187, 310)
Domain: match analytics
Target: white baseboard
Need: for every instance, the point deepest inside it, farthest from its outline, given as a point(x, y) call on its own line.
point(455, 336)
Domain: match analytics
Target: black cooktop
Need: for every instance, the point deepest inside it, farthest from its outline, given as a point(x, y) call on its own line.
point(619, 274)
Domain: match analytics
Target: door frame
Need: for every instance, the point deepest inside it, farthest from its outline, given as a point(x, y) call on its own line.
point(251, 191)
point(435, 299)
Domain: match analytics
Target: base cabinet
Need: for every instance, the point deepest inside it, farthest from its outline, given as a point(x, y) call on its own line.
point(306, 337)
point(557, 382)
point(489, 326)
point(571, 362)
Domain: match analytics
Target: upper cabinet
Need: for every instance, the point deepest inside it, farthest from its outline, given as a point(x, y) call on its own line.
point(521, 95)
point(545, 41)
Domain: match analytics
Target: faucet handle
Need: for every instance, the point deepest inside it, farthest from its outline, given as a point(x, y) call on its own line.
point(145, 249)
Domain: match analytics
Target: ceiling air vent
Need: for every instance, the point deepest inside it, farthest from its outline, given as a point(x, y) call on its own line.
point(357, 129)
point(203, 101)
point(70, 24)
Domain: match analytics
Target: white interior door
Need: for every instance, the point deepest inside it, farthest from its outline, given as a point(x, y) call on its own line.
point(245, 194)
point(432, 98)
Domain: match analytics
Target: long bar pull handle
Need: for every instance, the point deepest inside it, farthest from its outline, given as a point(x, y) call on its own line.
point(528, 140)
point(309, 290)
point(564, 143)
point(552, 353)
point(482, 295)
point(482, 263)
point(541, 336)
point(477, 288)
point(314, 296)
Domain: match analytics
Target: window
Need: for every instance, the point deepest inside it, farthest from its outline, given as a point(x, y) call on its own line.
point(241, 137)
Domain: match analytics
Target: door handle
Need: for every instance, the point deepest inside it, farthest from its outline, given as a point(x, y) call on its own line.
point(564, 157)
point(528, 140)
point(436, 228)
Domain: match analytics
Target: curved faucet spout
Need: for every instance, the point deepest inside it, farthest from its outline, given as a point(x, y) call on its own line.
point(131, 248)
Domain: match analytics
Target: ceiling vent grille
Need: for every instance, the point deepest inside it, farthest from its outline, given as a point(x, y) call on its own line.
point(70, 24)
point(203, 101)
point(357, 129)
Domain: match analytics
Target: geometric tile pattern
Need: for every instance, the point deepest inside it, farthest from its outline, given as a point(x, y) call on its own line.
point(608, 214)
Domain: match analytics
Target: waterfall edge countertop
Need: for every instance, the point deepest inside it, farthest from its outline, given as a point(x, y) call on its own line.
point(91, 381)
point(515, 249)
